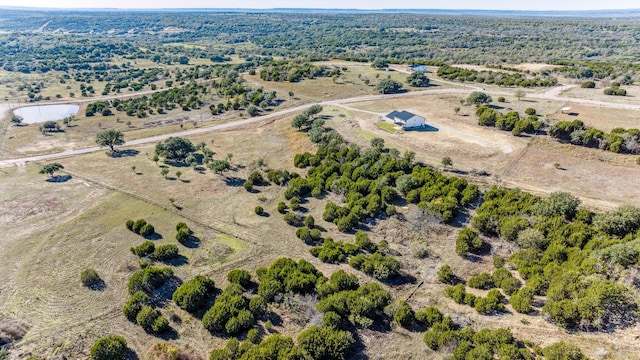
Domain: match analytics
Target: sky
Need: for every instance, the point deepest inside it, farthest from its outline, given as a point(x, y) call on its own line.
point(336, 4)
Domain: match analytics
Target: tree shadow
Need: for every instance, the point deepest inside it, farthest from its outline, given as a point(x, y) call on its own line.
point(192, 242)
point(154, 236)
point(131, 355)
point(59, 178)
point(169, 334)
point(179, 260)
point(264, 214)
point(123, 153)
point(233, 181)
point(401, 279)
point(99, 285)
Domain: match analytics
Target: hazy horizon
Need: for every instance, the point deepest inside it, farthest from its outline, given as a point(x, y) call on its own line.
point(541, 5)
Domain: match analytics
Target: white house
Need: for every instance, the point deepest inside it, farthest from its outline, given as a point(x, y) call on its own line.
point(405, 119)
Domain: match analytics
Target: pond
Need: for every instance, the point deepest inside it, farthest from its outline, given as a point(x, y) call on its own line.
point(41, 113)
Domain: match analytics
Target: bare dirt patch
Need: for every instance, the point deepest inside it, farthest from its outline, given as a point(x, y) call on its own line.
point(533, 67)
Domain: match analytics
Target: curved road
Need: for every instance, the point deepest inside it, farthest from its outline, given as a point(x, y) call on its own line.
point(551, 94)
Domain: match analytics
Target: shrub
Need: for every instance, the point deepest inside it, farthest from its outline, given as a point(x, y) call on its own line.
point(183, 235)
point(257, 306)
point(240, 277)
point(193, 294)
point(151, 320)
point(501, 99)
point(129, 224)
point(137, 225)
point(530, 111)
point(144, 249)
point(483, 281)
point(445, 274)
point(292, 219)
point(468, 241)
point(89, 277)
point(253, 335)
point(112, 347)
point(309, 222)
point(589, 84)
point(404, 315)
point(381, 267)
point(282, 207)
point(149, 279)
point(521, 301)
point(166, 252)
point(563, 351)
point(135, 304)
point(147, 230)
point(326, 343)
point(429, 316)
point(259, 210)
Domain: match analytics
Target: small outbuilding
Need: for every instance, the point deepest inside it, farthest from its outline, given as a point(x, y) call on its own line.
point(405, 119)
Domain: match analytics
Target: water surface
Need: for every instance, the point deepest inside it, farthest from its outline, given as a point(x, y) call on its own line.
point(41, 113)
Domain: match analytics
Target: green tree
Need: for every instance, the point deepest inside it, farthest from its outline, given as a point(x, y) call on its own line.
point(112, 347)
point(51, 168)
point(447, 162)
point(379, 64)
point(110, 138)
point(445, 274)
point(174, 149)
point(89, 277)
point(563, 351)
point(478, 98)
point(563, 204)
point(404, 315)
point(418, 79)
point(219, 166)
point(388, 86)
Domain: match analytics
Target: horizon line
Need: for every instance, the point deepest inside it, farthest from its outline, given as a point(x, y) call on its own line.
point(315, 9)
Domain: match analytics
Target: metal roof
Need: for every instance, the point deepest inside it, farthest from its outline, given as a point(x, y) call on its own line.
point(402, 115)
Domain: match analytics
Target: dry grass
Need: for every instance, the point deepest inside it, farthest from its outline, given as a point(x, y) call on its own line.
point(633, 94)
point(601, 118)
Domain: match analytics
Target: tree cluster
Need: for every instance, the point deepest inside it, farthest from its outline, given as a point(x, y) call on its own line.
point(493, 77)
point(510, 121)
point(618, 140)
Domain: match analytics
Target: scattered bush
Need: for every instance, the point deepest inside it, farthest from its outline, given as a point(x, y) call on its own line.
point(468, 241)
point(429, 316)
point(151, 320)
point(562, 351)
point(147, 230)
point(326, 343)
point(445, 274)
point(149, 279)
point(144, 249)
point(589, 84)
point(404, 315)
point(193, 294)
point(89, 277)
point(240, 277)
point(135, 303)
point(112, 347)
point(259, 210)
point(166, 252)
